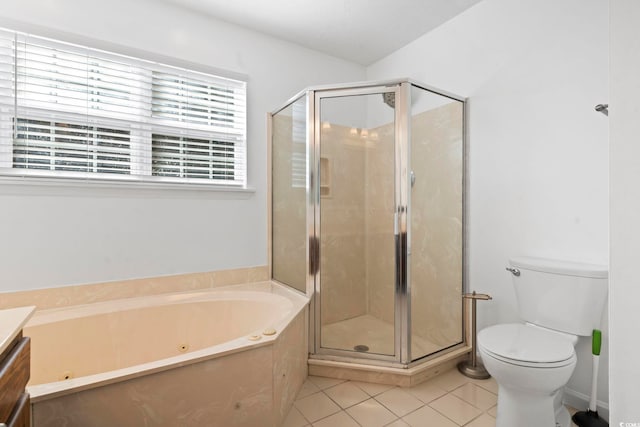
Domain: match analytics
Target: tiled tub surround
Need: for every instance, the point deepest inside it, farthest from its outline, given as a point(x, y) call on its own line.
point(169, 360)
point(64, 296)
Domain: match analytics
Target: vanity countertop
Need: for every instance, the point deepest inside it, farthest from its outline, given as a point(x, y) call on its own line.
point(12, 321)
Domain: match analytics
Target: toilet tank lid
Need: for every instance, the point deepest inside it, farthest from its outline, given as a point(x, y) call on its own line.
point(569, 268)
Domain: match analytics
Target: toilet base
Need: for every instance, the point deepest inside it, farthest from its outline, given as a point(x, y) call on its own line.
point(563, 418)
point(528, 410)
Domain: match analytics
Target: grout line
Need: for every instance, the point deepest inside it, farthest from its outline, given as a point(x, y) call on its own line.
point(301, 414)
point(390, 410)
point(444, 415)
point(354, 420)
point(341, 409)
point(474, 418)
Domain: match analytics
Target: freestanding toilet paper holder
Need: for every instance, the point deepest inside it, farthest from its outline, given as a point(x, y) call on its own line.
point(471, 368)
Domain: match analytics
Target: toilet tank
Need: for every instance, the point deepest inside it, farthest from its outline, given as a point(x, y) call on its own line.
point(560, 295)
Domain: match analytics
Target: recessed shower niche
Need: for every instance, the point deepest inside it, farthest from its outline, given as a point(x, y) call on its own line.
point(367, 217)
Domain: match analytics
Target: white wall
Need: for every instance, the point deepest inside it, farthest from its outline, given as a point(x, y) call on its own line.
point(533, 71)
point(60, 236)
point(625, 204)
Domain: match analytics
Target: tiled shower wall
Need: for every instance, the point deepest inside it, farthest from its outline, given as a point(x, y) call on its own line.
point(436, 263)
point(379, 187)
point(343, 239)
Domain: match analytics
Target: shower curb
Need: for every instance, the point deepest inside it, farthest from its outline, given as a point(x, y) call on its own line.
point(387, 375)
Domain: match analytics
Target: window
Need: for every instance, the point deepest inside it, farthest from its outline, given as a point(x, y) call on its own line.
point(71, 111)
point(50, 146)
point(298, 141)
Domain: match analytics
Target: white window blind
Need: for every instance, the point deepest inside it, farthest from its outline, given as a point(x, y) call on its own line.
point(72, 111)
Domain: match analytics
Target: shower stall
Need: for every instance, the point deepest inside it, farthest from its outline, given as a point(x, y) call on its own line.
point(368, 217)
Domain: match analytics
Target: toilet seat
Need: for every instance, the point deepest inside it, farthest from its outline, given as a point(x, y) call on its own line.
point(524, 345)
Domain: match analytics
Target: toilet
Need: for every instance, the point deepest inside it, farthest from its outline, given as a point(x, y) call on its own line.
point(558, 301)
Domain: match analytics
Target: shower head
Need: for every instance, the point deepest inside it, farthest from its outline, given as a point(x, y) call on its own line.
point(389, 98)
point(603, 108)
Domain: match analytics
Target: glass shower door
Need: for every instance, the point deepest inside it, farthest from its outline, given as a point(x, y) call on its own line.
point(356, 162)
point(436, 262)
point(289, 195)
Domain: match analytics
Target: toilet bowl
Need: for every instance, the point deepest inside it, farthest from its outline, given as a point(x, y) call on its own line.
point(533, 361)
point(531, 366)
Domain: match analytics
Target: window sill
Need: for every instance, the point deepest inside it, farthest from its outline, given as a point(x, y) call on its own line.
point(135, 186)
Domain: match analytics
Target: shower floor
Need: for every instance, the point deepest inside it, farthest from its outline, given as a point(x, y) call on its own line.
point(375, 333)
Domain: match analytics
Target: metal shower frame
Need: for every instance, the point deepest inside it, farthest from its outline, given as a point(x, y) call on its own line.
point(402, 326)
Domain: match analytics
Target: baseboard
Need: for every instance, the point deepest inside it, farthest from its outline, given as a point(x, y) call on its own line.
point(580, 401)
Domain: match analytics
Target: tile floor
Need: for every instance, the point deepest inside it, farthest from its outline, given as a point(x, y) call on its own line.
point(449, 400)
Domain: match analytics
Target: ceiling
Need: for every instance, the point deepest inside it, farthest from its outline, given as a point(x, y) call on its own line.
point(362, 31)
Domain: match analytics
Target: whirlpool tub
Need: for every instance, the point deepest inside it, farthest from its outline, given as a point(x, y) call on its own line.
point(233, 356)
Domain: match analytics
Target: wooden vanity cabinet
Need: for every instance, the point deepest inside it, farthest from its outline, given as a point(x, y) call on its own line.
point(15, 369)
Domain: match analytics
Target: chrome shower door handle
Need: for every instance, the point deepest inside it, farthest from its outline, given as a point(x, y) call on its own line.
point(513, 271)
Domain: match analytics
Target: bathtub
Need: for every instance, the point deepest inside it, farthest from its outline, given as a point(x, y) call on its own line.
point(233, 356)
